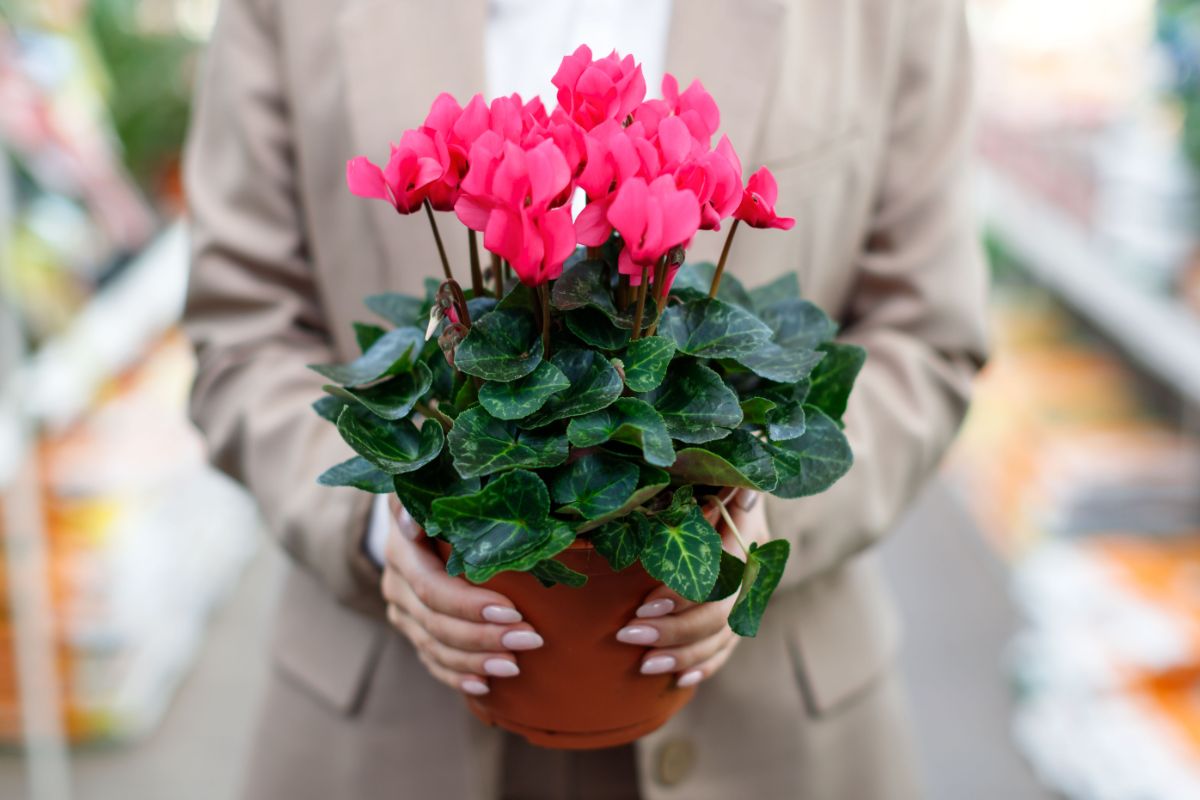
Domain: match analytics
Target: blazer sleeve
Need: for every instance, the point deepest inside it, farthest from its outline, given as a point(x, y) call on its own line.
point(253, 312)
point(918, 305)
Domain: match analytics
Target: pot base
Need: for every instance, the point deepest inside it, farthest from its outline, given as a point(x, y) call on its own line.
point(589, 740)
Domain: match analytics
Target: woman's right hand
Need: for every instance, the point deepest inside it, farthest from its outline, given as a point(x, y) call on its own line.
point(463, 633)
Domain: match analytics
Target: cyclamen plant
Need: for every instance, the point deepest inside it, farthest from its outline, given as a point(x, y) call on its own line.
point(587, 385)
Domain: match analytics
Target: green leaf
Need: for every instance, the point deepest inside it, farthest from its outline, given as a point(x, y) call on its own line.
point(686, 555)
point(764, 569)
point(359, 473)
point(683, 500)
point(399, 309)
point(502, 346)
point(483, 445)
point(813, 462)
point(695, 403)
point(797, 324)
point(651, 481)
point(328, 408)
point(737, 460)
point(594, 485)
point(729, 578)
point(391, 399)
point(645, 362)
point(594, 385)
point(785, 287)
point(628, 420)
point(367, 335)
point(713, 329)
point(834, 377)
point(417, 490)
point(395, 352)
point(693, 281)
point(621, 540)
point(394, 447)
point(520, 398)
point(780, 408)
point(550, 572)
point(584, 285)
point(504, 526)
point(778, 363)
point(595, 329)
point(756, 409)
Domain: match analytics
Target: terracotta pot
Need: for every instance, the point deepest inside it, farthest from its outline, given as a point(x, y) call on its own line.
point(582, 690)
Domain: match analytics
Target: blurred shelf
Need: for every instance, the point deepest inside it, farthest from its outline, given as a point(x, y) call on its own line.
point(1159, 333)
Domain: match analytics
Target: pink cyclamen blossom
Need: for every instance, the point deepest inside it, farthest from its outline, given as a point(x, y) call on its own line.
point(652, 218)
point(417, 162)
point(757, 208)
point(716, 179)
point(593, 91)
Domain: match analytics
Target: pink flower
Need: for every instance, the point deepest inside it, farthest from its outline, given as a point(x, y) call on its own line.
point(695, 107)
point(652, 218)
point(716, 179)
point(757, 208)
point(594, 91)
point(418, 161)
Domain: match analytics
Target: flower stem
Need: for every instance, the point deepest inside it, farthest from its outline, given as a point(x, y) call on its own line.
point(641, 303)
point(432, 413)
point(476, 271)
point(437, 238)
point(498, 274)
point(716, 281)
point(544, 292)
point(733, 528)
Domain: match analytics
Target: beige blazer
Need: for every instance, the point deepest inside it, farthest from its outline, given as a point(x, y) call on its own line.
point(861, 109)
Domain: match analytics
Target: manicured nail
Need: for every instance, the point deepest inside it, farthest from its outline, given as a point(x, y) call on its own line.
point(472, 686)
point(689, 678)
point(656, 608)
point(746, 499)
point(521, 640)
point(501, 668)
point(658, 665)
point(637, 634)
point(501, 614)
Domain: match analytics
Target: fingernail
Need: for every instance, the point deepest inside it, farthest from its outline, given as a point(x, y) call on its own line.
point(689, 678)
point(637, 634)
point(502, 614)
point(521, 640)
point(656, 608)
point(501, 667)
point(472, 686)
point(747, 500)
point(658, 665)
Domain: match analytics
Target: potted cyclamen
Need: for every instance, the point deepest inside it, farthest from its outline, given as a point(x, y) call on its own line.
point(586, 394)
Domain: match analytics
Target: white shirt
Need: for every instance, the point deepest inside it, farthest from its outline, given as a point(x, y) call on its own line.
point(524, 43)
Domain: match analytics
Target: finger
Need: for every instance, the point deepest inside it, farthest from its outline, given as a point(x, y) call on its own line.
point(426, 574)
point(464, 680)
point(682, 659)
point(660, 602)
point(675, 630)
point(458, 633)
point(706, 669)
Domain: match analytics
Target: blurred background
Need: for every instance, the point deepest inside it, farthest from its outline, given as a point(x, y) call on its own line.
point(1049, 579)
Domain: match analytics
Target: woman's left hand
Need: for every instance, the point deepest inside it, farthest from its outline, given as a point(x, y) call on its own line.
point(693, 640)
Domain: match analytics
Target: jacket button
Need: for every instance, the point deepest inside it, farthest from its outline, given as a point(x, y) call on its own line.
point(675, 760)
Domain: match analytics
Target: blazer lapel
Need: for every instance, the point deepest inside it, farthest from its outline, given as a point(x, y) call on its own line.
point(398, 55)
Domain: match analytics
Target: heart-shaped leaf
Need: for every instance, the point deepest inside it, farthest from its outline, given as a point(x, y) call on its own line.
point(593, 328)
point(394, 352)
point(729, 578)
point(834, 377)
point(584, 285)
point(651, 481)
point(367, 335)
point(785, 287)
point(695, 403)
point(645, 362)
point(713, 329)
point(780, 408)
point(685, 555)
point(621, 540)
point(693, 281)
point(328, 408)
point(399, 309)
point(737, 460)
point(483, 445)
point(391, 399)
point(628, 420)
point(763, 571)
point(595, 484)
point(797, 324)
point(594, 385)
point(813, 462)
point(550, 572)
point(359, 473)
point(506, 525)
point(417, 490)
point(520, 398)
point(778, 363)
point(394, 447)
point(502, 346)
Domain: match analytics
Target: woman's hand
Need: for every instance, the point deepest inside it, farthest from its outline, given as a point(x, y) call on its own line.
point(462, 633)
point(690, 639)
